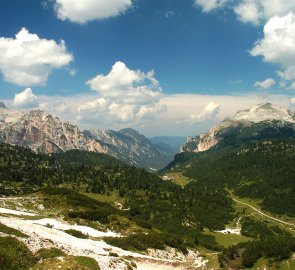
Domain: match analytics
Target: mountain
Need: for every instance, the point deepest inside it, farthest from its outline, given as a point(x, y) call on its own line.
point(44, 133)
point(248, 126)
point(133, 148)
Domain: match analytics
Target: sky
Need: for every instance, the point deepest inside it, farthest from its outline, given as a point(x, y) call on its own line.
point(162, 67)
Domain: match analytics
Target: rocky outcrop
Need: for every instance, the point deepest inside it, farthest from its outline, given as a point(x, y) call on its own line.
point(43, 133)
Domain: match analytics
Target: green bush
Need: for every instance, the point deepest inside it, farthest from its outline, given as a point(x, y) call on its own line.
point(8, 230)
point(100, 214)
point(77, 234)
point(14, 255)
point(141, 242)
point(88, 262)
point(45, 253)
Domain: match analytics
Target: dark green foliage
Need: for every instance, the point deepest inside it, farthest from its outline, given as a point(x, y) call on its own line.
point(141, 242)
point(76, 199)
point(45, 253)
point(88, 262)
point(8, 230)
point(14, 255)
point(255, 229)
point(263, 170)
point(100, 215)
point(154, 204)
point(77, 234)
point(270, 242)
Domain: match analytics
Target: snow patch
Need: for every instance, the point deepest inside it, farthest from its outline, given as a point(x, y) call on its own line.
point(236, 231)
point(61, 225)
point(15, 212)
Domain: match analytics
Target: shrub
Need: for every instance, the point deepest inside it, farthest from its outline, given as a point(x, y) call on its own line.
point(14, 255)
point(8, 230)
point(77, 234)
point(88, 262)
point(45, 253)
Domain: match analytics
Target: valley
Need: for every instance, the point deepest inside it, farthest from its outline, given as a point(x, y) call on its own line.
point(227, 207)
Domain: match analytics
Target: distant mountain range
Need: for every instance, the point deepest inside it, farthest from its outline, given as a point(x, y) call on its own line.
point(264, 121)
point(135, 149)
point(44, 133)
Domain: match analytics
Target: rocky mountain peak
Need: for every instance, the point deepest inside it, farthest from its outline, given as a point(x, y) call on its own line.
point(44, 133)
point(129, 132)
point(264, 120)
point(264, 112)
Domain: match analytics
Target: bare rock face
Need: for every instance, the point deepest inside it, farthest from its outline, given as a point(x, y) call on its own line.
point(43, 133)
point(255, 122)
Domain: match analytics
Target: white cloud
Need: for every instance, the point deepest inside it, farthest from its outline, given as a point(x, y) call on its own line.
point(209, 5)
point(93, 106)
point(266, 84)
point(119, 77)
point(278, 44)
point(209, 113)
point(123, 112)
point(123, 94)
point(249, 11)
point(257, 11)
point(170, 116)
point(26, 99)
point(27, 60)
point(293, 101)
point(82, 11)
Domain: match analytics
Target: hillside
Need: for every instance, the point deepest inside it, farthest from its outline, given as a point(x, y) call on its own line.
point(93, 189)
point(263, 172)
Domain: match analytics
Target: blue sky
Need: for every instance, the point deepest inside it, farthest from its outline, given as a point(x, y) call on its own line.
point(203, 54)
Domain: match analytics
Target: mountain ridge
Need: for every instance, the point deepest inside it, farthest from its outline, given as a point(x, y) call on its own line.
point(252, 124)
point(44, 133)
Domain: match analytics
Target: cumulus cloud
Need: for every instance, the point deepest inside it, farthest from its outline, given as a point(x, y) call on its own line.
point(209, 113)
point(278, 44)
point(123, 94)
point(293, 101)
point(79, 11)
point(209, 5)
point(257, 11)
point(170, 116)
point(249, 11)
point(266, 84)
point(27, 60)
point(26, 99)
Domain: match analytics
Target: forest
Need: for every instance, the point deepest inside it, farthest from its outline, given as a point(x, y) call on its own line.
point(172, 215)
